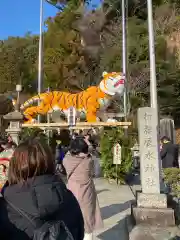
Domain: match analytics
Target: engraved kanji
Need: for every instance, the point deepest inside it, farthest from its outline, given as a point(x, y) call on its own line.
point(148, 142)
point(147, 129)
point(149, 168)
point(150, 182)
point(147, 116)
point(149, 155)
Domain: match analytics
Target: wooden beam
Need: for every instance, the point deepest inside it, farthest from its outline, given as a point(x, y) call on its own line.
point(78, 125)
point(111, 115)
point(71, 128)
point(74, 128)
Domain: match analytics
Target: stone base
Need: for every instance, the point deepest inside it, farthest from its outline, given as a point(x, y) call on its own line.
point(154, 217)
point(142, 232)
point(151, 200)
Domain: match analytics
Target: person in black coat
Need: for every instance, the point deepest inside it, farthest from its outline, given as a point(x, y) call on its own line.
point(35, 190)
point(169, 153)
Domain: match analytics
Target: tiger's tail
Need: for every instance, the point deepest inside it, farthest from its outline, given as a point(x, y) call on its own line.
point(31, 101)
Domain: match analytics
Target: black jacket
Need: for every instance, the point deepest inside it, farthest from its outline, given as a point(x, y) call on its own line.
point(169, 155)
point(45, 198)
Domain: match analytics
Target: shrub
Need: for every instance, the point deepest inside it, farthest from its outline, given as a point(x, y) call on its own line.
point(172, 177)
point(109, 137)
point(27, 133)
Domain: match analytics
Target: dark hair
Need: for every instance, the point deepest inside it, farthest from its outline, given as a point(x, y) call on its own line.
point(75, 135)
point(31, 158)
point(78, 145)
point(165, 139)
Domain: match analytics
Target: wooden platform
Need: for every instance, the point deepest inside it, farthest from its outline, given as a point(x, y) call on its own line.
point(79, 125)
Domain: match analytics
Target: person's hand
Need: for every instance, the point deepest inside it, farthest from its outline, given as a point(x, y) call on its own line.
point(86, 139)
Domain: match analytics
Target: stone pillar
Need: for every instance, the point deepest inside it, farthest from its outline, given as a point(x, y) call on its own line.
point(151, 208)
point(15, 118)
point(149, 151)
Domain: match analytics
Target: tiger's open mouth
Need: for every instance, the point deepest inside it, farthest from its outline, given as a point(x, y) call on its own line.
point(120, 82)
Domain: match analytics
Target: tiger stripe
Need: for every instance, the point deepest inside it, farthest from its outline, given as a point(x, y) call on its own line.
point(87, 101)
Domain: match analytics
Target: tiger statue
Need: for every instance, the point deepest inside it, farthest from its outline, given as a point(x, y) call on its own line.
point(87, 103)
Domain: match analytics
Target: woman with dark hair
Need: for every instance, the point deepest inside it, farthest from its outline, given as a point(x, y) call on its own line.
point(37, 201)
point(79, 169)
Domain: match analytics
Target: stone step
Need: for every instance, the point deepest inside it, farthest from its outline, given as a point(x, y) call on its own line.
point(145, 232)
point(163, 217)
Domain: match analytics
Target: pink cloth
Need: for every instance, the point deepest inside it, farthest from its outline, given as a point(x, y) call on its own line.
point(80, 182)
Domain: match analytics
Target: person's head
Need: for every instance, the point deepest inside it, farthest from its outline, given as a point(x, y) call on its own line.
point(165, 140)
point(31, 158)
point(74, 135)
point(78, 145)
point(81, 132)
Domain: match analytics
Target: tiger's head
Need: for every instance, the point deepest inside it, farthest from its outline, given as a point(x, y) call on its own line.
point(112, 83)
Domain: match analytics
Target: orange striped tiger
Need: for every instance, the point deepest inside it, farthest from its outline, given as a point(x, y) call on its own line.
point(87, 102)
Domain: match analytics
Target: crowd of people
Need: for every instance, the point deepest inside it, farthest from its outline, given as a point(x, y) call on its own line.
point(36, 203)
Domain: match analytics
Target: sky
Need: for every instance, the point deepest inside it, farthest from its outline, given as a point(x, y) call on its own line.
point(17, 17)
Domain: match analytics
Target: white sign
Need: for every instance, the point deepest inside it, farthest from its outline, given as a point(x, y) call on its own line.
point(71, 116)
point(117, 154)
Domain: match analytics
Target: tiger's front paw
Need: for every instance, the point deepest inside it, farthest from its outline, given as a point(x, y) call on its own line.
point(31, 121)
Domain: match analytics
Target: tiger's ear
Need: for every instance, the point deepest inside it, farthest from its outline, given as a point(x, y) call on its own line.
point(104, 74)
